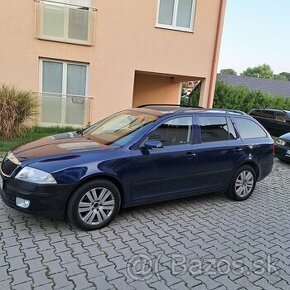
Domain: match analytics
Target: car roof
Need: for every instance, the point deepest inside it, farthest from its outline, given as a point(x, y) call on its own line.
point(272, 110)
point(161, 110)
point(268, 109)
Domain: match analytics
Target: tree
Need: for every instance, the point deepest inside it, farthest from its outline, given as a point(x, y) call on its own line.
point(280, 77)
point(228, 71)
point(285, 74)
point(262, 71)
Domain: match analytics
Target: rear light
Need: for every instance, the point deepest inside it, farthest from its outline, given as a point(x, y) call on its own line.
point(273, 149)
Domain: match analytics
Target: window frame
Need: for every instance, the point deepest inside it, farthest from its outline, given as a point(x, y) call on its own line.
point(287, 118)
point(65, 39)
point(137, 144)
point(173, 26)
point(64, 94)
point(250, 120)
point(168, 120)
point(228, 121)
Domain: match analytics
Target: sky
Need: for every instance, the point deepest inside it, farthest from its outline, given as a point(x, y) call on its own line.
point(256, 32)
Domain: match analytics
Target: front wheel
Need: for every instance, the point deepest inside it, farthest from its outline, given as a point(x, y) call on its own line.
point(94, 204)
point(242, 184)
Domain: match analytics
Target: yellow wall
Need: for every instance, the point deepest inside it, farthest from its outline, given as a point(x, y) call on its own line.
point(126, 41)
point(155, 89)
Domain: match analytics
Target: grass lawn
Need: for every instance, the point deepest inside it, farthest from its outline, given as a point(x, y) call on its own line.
point(31, 135)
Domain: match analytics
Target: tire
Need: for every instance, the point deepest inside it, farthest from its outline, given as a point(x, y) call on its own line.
point(94, 204)
point(242, 184)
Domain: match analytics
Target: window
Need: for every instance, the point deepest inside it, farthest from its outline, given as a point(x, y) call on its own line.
point(63, 86)
point(176, 14)
point(263, 114)
point(119, 128)
point(173, 132)
point(282, 117)
point(267, 114)
point(215, 129)
point(66, 20)
point(248, 128)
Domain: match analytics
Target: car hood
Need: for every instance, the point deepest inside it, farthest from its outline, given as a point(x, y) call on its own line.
point(64, 144)
point(285, 137)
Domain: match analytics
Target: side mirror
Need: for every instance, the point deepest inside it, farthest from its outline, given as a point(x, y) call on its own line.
point(152, 144)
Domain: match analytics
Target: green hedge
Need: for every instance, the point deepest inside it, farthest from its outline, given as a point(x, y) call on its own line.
point(240, 98)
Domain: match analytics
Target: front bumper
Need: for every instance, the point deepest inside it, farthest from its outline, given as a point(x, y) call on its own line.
point(45, 200)
point(282, 152)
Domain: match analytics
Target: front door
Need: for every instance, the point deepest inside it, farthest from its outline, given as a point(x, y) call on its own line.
point(166, 172)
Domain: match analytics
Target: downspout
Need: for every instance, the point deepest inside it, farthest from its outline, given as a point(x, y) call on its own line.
point(216, 52)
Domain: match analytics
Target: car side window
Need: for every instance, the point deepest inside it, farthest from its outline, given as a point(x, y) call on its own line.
point(255, 113)
point(248, 128)
point(281, 117)
point(215, 129)
point(176, 131)
point(267, 114)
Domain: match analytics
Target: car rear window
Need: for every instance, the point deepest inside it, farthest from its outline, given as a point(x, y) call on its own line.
point(248, 128)
point(215, 129)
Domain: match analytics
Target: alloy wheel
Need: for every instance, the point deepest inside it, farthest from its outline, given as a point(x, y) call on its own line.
point(96, 206)
point(244, 183)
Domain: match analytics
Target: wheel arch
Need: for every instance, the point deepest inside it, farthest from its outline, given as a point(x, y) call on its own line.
point(254, 166)
point(110, 178)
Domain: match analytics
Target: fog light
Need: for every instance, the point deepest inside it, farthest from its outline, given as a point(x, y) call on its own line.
point(24, 203)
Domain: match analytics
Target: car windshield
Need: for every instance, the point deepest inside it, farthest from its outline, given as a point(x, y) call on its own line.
point(119, 128)
point(288, 113)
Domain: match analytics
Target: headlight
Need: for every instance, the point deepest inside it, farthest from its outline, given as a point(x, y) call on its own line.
point(35, 176)
point(280, 142)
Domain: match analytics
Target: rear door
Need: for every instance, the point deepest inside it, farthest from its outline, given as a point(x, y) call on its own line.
point(218, 153)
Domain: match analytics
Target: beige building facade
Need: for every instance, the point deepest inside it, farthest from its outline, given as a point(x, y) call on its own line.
point(86, 59)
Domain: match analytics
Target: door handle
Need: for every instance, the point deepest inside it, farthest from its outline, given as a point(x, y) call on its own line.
point(238, 149)
point(190, 154)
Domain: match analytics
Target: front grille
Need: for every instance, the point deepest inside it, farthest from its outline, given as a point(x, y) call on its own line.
point(8, 166)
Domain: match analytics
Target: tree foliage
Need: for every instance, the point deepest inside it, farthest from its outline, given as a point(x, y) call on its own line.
point(285, 74)
point(265, 71)
point(228, 71)
point(261, 71)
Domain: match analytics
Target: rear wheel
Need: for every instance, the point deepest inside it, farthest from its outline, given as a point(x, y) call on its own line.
point(242, 184)
point(94, 204)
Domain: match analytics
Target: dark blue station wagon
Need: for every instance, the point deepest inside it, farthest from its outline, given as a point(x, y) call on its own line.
point(137, 156)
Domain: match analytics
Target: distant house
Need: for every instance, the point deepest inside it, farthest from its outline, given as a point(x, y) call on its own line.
point(271, 87)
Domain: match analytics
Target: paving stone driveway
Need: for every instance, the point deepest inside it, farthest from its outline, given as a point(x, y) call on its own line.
point(205, 242)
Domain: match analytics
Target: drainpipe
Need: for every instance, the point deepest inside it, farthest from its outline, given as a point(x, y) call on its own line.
point(216, 52)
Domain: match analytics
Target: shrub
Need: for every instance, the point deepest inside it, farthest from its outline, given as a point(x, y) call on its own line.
point(16, 108)
point(239, 98)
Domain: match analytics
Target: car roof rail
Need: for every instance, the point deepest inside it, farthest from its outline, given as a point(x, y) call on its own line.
point(229, 111)
point(167, 105)
point(194, 107)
